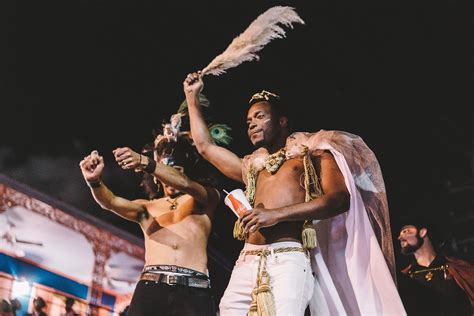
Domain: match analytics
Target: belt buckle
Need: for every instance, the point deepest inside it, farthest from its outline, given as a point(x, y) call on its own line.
point(171, 279)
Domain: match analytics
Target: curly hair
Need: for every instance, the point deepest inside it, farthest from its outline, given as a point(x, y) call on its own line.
point(180, 153)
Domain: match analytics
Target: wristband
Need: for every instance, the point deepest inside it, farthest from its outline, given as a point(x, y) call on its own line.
point(94, 184)
point(150, 168)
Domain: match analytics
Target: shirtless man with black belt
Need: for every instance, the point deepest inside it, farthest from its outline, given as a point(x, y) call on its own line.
point(175, 228)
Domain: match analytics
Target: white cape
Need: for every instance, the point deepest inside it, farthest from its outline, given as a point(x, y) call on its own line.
point(351, 279)
point(353, 276)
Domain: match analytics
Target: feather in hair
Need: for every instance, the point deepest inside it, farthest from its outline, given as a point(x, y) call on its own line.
point(259, 33)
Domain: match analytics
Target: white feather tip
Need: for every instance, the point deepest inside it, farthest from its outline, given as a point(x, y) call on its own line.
point(259, 33)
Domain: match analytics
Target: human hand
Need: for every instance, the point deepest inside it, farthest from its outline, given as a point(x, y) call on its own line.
point(193, 84)
point(92, 166)
point(128, 159)
point(257, 218)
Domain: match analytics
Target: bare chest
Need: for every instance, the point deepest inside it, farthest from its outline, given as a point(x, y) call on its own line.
point(290, 171)
point(183, 215)
point(284, 186)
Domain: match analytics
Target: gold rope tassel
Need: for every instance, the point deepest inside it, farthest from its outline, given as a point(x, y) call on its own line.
point(263, 303)
point(251, 184)
point(239, 233)
point(308, 236)
point(253, 311)
point(313, 189)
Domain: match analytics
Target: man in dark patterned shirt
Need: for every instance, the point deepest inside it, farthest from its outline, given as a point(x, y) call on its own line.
point(440, 285)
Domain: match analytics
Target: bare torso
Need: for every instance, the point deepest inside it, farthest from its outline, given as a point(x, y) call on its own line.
point(176, 237)
point(278, 190)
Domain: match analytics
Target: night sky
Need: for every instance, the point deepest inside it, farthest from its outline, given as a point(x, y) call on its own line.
point(84, 75)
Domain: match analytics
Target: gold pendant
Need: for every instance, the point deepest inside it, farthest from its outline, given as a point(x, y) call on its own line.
point(429, 276)
point(173, 204)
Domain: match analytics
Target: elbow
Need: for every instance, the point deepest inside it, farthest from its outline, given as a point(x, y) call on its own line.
point(339, 202)
point(183, 184)
point(202, 148)
point(105, 206)
point(336, 203)
point(344, 201)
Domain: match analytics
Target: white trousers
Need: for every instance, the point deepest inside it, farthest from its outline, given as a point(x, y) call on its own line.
point(291, 281)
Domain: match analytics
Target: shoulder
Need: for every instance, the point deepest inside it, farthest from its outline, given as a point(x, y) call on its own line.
point(297, 143)
point(256, 160)
point(458, 262)
point(145, 202)
point(322, 154)
point(256, 153)
point(151, 205)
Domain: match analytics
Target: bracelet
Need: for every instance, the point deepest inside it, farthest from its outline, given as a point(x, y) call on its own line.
point(94, 184)
point(140, 162)
point(150, 168)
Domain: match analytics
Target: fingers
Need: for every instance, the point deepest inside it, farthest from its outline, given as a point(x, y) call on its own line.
point(87, 162)
point(127, 163)
point(252, 225)
point(126, 158)
point(121, 153)
point(247, 217)
point(82, 163)
point(124, 161)
point(248, 212)
point(90, 162)
point(192, 78)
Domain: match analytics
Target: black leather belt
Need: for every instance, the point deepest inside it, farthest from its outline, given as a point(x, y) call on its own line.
point(174, 279)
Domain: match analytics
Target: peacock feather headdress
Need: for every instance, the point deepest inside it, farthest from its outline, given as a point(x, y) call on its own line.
point(178, 125)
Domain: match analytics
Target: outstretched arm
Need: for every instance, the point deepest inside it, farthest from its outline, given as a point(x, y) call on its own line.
point(92, 167)
point(129, 159)
point(223, 159)
point(334, 201)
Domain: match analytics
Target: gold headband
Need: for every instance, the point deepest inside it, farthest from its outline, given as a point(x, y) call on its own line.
point(263, 95)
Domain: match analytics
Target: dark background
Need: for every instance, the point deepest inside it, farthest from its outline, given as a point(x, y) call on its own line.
point(84, 75)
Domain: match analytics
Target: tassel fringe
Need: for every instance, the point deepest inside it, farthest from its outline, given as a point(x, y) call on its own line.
point(263, 302)
point(313, 190)
point(308, 236)
point(239, 233)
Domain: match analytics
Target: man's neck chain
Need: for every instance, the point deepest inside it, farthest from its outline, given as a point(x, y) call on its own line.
point(274, 161)
point(429, 275)
point(173, 202)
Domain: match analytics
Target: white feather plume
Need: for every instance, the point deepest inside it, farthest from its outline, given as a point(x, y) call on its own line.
point(259, 33)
